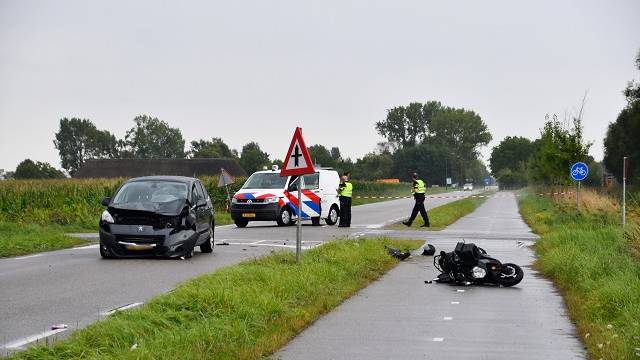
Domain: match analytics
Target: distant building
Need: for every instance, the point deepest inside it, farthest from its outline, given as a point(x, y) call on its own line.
point(128, 168)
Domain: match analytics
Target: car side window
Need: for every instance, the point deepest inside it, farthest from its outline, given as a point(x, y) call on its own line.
point(203, 190)
point(311, 181)
point(199, 191)
point(194, 194)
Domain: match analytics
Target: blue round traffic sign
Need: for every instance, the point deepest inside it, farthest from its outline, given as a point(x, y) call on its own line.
point(579, 171)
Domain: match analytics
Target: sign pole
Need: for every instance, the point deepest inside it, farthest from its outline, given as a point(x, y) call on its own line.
point(578, 196)
point(624, 190)
point(299, 224)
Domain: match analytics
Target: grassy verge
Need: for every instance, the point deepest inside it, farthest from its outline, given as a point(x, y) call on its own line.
point(445, 215)
point(16, 240)
point(364, 188)
point(246, 311)
point(591, 260)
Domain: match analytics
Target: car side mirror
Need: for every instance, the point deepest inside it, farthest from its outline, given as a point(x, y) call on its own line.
point(105, 201)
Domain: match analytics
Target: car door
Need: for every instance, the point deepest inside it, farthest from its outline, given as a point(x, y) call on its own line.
point(312, 194)
point(207, 211)
point(201, 209)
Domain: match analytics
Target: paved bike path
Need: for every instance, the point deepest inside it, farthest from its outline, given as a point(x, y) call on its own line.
point(401, 317)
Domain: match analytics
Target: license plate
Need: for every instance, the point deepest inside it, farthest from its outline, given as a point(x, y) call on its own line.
point(249, 215)
point(139, 247)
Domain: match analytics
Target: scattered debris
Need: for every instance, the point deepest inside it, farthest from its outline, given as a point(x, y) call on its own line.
point(59, 326)
point(428, 281)
point(397, 253)
point(222, 243)
point(609, 326)
point(428, 250)
point(134, 346)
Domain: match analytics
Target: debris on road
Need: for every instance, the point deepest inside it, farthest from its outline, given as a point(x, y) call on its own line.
point(59, 326)
point(222, 243)
point(428, 250)
point(397, 253)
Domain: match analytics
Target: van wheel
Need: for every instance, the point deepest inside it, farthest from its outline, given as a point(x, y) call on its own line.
point(332, 219)
point(241, 223)
point(285, 217)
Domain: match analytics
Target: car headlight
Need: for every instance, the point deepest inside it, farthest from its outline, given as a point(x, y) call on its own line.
point(271, 199)
point(478, 272)
point(234, 200)
point(106, 217)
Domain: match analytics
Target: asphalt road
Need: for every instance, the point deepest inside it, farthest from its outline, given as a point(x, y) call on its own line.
point(402, 317)
point(76, 287)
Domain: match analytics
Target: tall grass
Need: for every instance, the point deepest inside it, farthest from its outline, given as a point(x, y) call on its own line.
point(592, 260)
point(246, 311)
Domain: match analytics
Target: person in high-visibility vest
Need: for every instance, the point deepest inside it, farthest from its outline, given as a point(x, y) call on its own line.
point(419, 188)
point(345, 191)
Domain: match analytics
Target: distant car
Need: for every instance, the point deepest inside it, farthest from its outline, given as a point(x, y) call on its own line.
point(266, 196)
point(166, 216)
point(468, 186)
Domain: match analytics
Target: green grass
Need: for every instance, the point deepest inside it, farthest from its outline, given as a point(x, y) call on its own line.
point(402, 189)
point(590, 258)
point(246, 311)
point(445, 215)
point(16, 240)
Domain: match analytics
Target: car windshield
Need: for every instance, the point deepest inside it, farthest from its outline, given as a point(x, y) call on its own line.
point(151, 191)
point(271, 180)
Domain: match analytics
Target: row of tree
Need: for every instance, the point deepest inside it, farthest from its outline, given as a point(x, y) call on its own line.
point(518, 161)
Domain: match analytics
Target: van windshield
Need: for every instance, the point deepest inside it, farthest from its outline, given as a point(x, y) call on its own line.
point(271, 180)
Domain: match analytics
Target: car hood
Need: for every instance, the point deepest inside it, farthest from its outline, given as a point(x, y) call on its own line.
point(170, 208)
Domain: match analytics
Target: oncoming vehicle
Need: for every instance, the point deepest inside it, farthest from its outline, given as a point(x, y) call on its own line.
point(266, 196)
point(165, 216)
point(467, 186)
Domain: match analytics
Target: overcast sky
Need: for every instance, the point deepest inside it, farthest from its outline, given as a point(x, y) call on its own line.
point(254, 70)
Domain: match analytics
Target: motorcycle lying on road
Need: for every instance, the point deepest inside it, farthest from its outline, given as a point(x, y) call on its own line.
point(469, 264)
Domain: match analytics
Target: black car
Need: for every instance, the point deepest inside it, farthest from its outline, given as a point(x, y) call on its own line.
point(166, 216)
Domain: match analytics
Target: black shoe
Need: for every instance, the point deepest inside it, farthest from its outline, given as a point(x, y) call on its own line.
point(407, 223)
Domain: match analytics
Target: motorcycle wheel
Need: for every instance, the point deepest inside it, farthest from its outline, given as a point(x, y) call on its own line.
point(514, 276)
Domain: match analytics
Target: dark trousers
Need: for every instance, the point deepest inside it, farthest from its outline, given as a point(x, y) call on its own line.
point(345, 211)
point(419, 208)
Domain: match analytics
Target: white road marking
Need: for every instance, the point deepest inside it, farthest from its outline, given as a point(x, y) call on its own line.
point(460, 290)
point(14, 345)
point(447, 318)
point(94, 246)
point(438, 339)
point(278, 245)
point(455, 303)
point(121, 308)
point(27, 257)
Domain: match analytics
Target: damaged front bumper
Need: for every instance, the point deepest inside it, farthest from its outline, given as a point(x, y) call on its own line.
point(145, 241)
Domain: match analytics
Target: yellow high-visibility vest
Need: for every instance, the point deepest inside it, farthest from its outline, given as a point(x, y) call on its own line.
point(346, 189)
point(419, 187)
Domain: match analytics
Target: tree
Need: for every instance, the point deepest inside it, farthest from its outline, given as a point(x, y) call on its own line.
point(623, 134)
point(559, 147)
point(152, 138)
point(430, 161)
point(320, 155)
point(462, 132)
point(335, 154)
point(509, 161)
point(408, 126)
point(214, 148)
point(253, 158)
point(28, 169)
point(78, 140)
point(372, 166)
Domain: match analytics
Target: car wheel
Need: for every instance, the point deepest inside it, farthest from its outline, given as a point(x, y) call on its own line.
point(332, 218)
point(105, 252)
point(241, 223)
point(285, 217)
point(207, 246)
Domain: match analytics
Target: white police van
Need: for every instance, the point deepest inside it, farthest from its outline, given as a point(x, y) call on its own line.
point(266, 196)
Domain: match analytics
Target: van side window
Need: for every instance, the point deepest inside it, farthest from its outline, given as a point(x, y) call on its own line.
point(311, 181)
point(293, 183)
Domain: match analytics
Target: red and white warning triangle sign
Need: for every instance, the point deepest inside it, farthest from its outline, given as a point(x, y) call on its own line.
point(298, 161)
